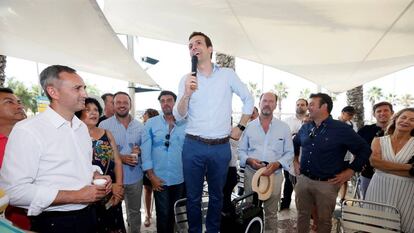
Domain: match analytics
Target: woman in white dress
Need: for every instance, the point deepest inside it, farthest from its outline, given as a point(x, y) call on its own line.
point(392, 158)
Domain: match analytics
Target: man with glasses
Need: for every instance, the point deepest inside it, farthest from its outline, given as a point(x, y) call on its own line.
point(162, 146)
point(322, 169)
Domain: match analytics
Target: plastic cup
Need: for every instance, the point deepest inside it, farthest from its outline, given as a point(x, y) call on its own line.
point(100, 182)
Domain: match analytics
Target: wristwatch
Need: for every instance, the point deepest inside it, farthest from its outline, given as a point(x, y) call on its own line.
point(241, 127)
point(411, 171)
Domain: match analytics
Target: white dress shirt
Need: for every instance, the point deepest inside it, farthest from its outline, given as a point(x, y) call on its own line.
point(46, 154)
point(210, 106)
point(294, 124)
point(275, 145)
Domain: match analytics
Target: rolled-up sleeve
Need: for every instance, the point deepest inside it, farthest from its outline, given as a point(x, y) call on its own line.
point(18, 173)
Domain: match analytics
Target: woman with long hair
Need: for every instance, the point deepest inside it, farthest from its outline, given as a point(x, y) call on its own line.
point(105, 155)
point(392, 158)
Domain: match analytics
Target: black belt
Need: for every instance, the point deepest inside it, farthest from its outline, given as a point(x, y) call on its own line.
point(54, 214)
point(207, 140)
point(312, 177)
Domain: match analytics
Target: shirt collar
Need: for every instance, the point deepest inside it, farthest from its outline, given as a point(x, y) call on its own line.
point(57, 120)
point(2, 136)
point(324, 122)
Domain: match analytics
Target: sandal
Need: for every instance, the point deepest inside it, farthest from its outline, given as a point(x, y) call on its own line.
point(147, 222)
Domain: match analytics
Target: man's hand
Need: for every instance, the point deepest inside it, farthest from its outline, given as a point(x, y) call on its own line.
point(271, 168)
point(296, 167)
point(108, 185)
point(91, 193)
point(129, 160)
point(235, 133)
point(255, 163)
point(191, 85)
point(342, 177)
point(157, 183)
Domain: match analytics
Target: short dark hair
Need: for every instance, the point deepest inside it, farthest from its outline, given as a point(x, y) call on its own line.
point(90, 100)
point(104, 96)
point(167, 93)
point(302, 99)
point(323, 99)
point(6, 90)
point(50, 74)
point(383, 103)
point(151, 112)
point(123, 93)
point(349, 109)
point(265, 93)
point(206, 38)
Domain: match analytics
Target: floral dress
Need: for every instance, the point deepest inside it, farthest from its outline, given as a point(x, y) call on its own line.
point(108, 220)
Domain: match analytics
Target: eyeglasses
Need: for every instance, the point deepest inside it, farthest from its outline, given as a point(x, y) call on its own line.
point(167, 142)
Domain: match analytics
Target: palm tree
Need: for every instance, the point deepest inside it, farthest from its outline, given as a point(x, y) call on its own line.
point(254, 90)
point(355, 98)
point(392, 98)
point(374, 94)
point(406, 100)
point(281, 91)
point(225, 60)
point(304, 93)
point(3, 62)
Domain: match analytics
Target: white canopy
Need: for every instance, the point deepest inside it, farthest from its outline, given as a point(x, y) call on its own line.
point(336, 44)
point(73, 33)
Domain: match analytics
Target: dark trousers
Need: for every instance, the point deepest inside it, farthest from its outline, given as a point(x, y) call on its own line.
point(228, 189)
point(211, 161)
point(164, 206)
point(77, 221)
point(287, 191)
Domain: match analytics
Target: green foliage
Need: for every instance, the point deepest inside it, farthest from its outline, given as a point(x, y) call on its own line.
point(26, 95)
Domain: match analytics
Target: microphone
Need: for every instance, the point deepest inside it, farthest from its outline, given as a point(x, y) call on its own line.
point(194, 62)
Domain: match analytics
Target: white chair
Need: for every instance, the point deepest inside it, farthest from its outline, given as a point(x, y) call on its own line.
point(365, 216)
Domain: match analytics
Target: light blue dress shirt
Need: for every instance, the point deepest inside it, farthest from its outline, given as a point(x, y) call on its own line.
point(210, 106)
point(275, 145)
point(166, 162)
point(125, 139)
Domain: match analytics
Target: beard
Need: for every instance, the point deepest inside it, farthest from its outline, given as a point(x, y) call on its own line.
point(266, 111)
point(300, 111)
point(122, 115)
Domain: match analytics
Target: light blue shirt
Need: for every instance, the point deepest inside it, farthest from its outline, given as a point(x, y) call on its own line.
point(275, 145)
point(166, 162)
point(125, 139)
point(210, 106)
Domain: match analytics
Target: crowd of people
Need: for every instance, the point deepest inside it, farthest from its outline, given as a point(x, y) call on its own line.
point(69, 168)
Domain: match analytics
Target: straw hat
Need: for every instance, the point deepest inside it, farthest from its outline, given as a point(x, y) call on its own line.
point(262, 185)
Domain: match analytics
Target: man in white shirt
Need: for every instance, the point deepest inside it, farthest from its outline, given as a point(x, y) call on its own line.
point(205, 99)
point(294, 123)
point(47, 167)
point(266, 140)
